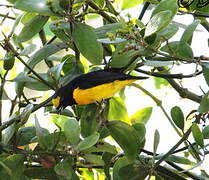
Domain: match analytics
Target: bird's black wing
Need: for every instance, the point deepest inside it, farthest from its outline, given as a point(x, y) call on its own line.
point(96, 78)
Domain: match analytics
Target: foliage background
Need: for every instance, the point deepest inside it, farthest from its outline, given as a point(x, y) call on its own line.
point(165, 93)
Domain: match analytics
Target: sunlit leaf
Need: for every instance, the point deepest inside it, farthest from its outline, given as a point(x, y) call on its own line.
point(141, 116)
point(166, 5)
point(87, 142)
point(72, 131)
point(178, 117)
point(126, 136)
point(197, 134)
point(45, 52)
point(38, 6)
point(158, 22)
point(33, 27)
point(86, 41)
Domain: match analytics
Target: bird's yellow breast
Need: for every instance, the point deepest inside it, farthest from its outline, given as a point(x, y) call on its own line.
point(100, 92)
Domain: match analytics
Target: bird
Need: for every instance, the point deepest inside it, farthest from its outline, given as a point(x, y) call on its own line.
point(91, 87)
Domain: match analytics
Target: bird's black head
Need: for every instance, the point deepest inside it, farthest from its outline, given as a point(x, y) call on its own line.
point(62, 98)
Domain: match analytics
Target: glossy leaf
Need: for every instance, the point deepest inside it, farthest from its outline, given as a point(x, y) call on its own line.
point(40, 173)
point(28, 50)
point(156, 140)
point(64, 170)
point(174, 48)
point(158, 22)
point(176, 159)
point(86, 41)
point(45, 52)
point(93, 159)
point(178, 117)
point(197, 134)
point(187, 35)
point(204, 104)
point(9, 61)
point(33, 27)
point(88, 142)
point(205, 132)
point(126, 136)
point(88, 120)
point(157, 63)
point(205, 69)
point(38, 6)
point(121, 162)
point(25, 134)
point(55, 71)
point(116, 103)
point(59, 28)
point(72, 131)
point(126, 4)
point(102, 31)
point(141, 116)
point(40, 132)
point(109, 41)
point(141, 131)
point(15, 165)
point(170, 5)
point(26, 113)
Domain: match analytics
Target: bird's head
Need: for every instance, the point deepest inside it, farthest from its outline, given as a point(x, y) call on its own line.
point(61, 99)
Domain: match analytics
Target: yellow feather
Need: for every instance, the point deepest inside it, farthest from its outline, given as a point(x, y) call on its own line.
point(100, 92)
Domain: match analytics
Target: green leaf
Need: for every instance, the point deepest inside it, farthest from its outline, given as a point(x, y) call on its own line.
point(92, 159)
point(120, 58)
point(184, 50)
point(204, 104)
point(121, 162)
point(168, 32)
point(166, 5)
point(45, 52)
point(156, 63)
point(176, 159)
point(187, 35)
point(205, 69)
point(64, 169)
point(28, 50)
point(72, 131)
point(38, 6)
point(26, 113)
point(40, 132)
point(88, 119)
point(116, 103)
point(197, 134)
point(205, 132)
point(9, 61)
point(55, 71)
point(31, 28)
point(61, 29)
point(40, 173)
point(24, 135)
point(102, 31)
point(141, 116)
point(86, 41)
point(15, 165)
point(158, 22)
point(88, 142)
point(126, 4)
point(141, 130)
point(156, 141)
point(178, 117)
point(127, 138)
point(174, 48)
point(131, 171)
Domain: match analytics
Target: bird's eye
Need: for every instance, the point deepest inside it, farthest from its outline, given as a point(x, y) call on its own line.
point(56, 101)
